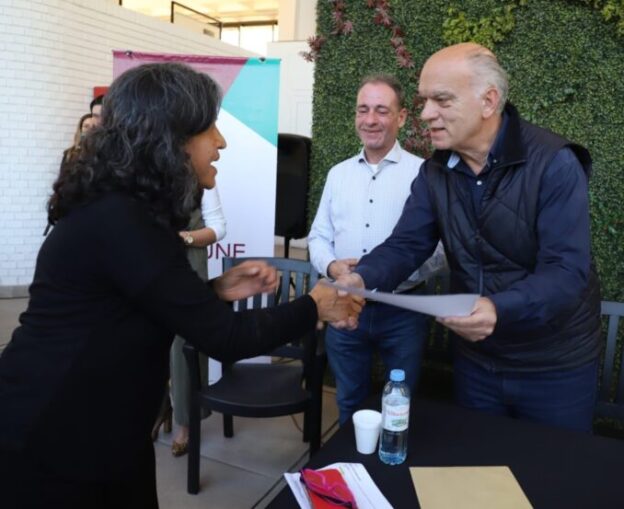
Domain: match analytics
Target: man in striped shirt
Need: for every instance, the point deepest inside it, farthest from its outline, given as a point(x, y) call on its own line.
point(362, 201)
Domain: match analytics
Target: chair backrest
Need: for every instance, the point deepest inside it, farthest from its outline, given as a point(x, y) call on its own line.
point(293, 177)
point(611, 393)
point(296, 278)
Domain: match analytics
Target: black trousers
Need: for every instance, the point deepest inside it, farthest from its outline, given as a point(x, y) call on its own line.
point(25, 485)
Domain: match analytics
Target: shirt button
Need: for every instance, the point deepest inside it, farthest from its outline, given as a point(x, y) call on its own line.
point(374, 178)
point(367, 225)
point(363, 250)
point(479, 182)
point(371, 200)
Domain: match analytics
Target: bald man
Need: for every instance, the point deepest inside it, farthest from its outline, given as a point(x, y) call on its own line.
point(509, 201)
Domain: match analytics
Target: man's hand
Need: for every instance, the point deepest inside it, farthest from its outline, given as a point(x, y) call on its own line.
point(350, 279)
point(476, 327)
point(246, 279)
point(333, 306)
point(339, 268)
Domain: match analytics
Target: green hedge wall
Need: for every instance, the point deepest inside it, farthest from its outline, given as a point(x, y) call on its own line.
point(566, 67)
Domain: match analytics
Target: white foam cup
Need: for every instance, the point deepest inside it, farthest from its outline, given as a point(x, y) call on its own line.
point(367, 424)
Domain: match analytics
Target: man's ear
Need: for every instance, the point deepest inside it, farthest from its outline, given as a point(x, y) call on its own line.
point(402, 117)
point(490, 101)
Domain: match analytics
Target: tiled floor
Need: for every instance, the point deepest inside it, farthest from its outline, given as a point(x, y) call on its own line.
point(236, 473)
point(240, 472)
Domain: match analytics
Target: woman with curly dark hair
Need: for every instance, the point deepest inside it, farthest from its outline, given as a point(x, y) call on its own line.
point(83, 376)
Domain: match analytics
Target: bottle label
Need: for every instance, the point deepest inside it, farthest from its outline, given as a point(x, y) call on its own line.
point(396, 417)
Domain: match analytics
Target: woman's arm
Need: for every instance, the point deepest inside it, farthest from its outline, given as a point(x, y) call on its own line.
point(214, 221)
point(212, 213)
point(199, 238)
point(179, 301)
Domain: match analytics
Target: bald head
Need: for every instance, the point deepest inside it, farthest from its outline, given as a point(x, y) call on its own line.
point(461, 51)
point(479, 63)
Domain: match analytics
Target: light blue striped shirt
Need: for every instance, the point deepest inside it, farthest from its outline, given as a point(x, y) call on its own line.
point(360, 206)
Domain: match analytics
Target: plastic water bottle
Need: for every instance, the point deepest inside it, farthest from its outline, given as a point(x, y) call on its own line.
point(395, 402)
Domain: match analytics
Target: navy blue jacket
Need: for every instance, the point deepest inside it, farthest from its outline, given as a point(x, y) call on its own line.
point(518, 233)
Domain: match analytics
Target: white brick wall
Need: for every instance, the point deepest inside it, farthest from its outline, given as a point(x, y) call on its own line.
point(52, 54)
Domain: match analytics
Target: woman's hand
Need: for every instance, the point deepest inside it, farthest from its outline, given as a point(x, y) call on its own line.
point(249, 278)
point(333, 307)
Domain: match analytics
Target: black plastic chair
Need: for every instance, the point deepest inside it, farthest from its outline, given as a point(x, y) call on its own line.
point(264, 390)
point(611, 393)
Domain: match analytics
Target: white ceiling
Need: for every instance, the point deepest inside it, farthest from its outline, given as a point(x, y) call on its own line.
point(227, 11)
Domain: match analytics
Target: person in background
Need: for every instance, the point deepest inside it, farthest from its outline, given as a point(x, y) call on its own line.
point(96, 109)
point(510, 202)
point(85, 124)
point(207, 226)
point(361, 202)
point(83, 376)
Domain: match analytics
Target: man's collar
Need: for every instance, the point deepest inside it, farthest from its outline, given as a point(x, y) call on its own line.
point(453, 160)
point(506, 148)
point(495, 149)
point(511, 150)
point(394, 155)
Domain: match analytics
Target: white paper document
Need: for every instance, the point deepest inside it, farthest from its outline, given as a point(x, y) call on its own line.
point(460, 304)
point(364, 489)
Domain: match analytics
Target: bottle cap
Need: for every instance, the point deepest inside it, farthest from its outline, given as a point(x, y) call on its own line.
point(397, 375)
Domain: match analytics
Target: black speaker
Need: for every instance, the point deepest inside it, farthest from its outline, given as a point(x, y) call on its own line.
point(293, 177)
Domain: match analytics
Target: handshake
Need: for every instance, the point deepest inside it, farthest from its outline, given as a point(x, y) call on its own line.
point(253, 277)
point(339, 308)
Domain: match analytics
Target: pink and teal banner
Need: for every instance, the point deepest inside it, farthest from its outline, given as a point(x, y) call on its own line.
point(247, 168)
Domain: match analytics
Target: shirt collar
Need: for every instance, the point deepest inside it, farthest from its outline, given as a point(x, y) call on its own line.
point(495, 150)
point(393, 156)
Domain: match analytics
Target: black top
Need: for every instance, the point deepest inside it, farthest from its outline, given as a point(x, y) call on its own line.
point(82, 379)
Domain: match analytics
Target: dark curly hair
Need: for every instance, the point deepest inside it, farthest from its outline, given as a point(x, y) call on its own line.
point(148, 115)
